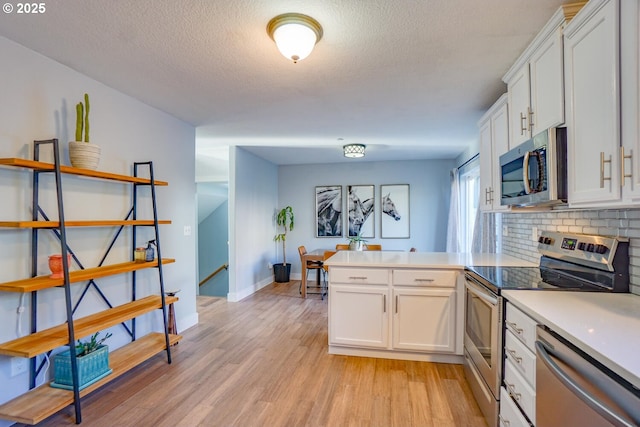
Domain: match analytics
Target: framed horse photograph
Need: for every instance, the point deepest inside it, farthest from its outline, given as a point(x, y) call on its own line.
point(329, 211)
point(394, 205)
point(360, 205)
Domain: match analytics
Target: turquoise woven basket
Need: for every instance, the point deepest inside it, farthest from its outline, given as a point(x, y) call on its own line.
point(91, 368)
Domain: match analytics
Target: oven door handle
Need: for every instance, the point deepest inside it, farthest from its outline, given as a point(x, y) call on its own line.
point(564, 378)
point(480, 292)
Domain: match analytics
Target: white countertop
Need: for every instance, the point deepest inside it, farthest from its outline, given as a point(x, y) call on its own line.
point(421, 259)
point(606, 326)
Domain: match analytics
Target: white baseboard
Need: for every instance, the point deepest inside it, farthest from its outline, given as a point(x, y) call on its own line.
point(187, 322)
point(245, 292)
point(397, 355)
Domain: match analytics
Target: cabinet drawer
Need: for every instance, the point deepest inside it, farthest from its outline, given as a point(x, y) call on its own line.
point(370, 276)
point(439, 278)
point(522, 358)
point(510, 415)
point(520, 390)
point(522, 326)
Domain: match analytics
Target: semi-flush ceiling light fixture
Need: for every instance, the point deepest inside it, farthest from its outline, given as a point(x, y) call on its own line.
point(295, 34)
point(353, 150)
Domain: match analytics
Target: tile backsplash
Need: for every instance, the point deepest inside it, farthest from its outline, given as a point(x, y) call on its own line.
point(518, 240)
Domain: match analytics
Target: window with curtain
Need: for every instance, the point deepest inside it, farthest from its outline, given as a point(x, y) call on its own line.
point(469, 194)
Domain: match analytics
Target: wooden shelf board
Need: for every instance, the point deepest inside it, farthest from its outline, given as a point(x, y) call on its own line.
point(92, 223)
point(44, 401)
point(44, 282)
point(48, 339)
point(41, 166)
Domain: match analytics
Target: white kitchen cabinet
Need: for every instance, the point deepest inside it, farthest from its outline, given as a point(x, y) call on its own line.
point(630, 99)
point(358, 315)
point(519, 101)
point(603, 136)
point(408, 313)
point(535, 82)
point(592, 76)
point(494, 141)
point(424, 319)
point(510, 415)
point(519, 365)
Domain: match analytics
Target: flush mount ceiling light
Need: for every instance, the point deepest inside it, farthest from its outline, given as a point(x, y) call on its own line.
point(295, 34)
point(353, 150)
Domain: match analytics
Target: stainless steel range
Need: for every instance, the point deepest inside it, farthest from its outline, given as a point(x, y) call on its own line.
point(569, 262)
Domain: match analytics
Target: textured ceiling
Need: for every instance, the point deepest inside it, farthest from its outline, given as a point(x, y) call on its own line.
point(409, 78)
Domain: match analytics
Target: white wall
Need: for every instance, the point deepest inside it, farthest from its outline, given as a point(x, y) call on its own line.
point(429, 185)
point(38, 98)
point(253, 198)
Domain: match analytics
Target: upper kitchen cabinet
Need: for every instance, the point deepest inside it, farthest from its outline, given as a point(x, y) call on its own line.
point(630, 97)
point(602, 104)
point(494, 141)
point(535, 82)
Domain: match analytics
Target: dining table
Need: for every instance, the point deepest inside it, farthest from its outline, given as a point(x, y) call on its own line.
point(314, 255)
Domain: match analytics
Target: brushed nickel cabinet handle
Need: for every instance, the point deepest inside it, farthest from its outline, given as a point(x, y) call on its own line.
point(358, 277)
point(523, 126)
point(512, 391)
point(384, 303)
point(623, 157)
point(505, 423)
point(396, 304)
point(602, 162)
point(531, 124)
point(514, 354)
point(424, 280)
point(514, 327)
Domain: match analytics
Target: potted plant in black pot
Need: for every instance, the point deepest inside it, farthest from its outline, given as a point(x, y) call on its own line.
point(285, 220)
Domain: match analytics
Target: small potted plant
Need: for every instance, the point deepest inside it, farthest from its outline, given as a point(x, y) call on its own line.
point(92, 359)
point(82, 153)
point(284, 219)
point(356, 243)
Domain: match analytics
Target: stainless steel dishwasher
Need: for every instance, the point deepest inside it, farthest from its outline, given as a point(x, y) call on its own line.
point(572, 389)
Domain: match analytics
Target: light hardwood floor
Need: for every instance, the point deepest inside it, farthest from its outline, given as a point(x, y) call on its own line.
point(264, 362)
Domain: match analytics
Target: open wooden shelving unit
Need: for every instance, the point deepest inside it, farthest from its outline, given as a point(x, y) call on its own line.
point(39, 283)
point(43, 401)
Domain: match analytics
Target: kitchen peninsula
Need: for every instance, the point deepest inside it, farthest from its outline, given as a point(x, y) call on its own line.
point(401, 305)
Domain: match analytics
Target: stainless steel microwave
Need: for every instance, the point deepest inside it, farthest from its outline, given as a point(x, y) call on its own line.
point(535, 172)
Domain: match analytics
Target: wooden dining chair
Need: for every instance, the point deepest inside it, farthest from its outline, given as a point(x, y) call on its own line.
point(311, 265)
point(325, 271)
point(342, 247)
point(372, 247)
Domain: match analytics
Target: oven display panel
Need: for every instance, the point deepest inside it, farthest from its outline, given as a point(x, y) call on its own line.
point(569, 244)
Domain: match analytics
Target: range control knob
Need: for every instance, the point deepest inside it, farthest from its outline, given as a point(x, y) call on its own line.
point(540, 239)
point(591, 247)
point(601, 249)
point(582, 246)
point(547, 240)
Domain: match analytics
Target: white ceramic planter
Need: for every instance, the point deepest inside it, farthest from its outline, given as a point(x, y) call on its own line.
point(84, 155)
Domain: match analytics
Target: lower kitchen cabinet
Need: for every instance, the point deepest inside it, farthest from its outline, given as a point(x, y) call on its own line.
point(518, 395)
point(411, 316)
point(424, 319)
point(510, 415)
point(359, 315)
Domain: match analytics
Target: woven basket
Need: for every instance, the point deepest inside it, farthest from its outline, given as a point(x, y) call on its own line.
point(84, 155)
point(91, 368)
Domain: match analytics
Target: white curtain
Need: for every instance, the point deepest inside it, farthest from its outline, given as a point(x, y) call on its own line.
point(453, 226)
point(484, 233)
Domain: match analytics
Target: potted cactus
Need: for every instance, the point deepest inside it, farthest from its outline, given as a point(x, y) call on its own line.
point(82, 153)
